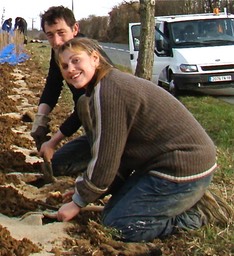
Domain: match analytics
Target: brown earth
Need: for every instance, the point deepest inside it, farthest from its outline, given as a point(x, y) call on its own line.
point(24, 194)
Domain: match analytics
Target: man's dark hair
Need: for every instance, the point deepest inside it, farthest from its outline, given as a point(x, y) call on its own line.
point(57, 12)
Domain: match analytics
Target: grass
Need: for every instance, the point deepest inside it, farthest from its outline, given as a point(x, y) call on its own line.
point(40, 53)
point(217, 118)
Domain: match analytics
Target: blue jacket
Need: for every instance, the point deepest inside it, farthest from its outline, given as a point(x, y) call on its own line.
point(7, 25)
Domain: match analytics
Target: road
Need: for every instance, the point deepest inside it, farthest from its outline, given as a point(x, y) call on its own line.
point(118, 53)
point(227, 99)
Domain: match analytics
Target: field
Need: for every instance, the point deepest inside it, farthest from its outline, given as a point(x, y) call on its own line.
point(23, 189)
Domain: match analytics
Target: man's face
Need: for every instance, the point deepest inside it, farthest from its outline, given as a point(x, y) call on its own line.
point(59, 33)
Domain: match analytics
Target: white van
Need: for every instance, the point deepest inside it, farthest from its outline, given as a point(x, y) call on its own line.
point(192, 52)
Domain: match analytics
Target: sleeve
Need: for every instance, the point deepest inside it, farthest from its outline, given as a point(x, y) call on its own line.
point(54, 84)
point(51, 93)
point(109, 136)
point(73, 122)
point(70, 125)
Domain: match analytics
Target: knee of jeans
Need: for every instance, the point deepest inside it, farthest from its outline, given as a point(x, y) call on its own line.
point(138, 230)
point(120, 228)
point(132, 233)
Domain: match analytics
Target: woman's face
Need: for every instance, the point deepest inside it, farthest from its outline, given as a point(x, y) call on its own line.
point(78, 67)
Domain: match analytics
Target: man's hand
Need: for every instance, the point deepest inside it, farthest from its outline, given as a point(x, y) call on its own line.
point(68, 211)
point(40, 129)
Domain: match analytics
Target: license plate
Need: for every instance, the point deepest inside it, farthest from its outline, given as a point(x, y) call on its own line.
point(220, 78)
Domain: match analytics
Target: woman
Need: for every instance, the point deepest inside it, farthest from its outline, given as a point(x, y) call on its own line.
point(147, 149)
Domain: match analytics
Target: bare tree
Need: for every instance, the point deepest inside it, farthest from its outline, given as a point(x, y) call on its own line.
point(147, 42)
point(120, 17)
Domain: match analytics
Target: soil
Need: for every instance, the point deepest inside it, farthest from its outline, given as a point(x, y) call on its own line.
point(25, 195)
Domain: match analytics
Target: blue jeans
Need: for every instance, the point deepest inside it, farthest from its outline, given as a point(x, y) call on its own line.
point(72, 158)
point(147, 207)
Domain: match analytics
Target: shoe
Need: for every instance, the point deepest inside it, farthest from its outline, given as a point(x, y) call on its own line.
point(215, 210)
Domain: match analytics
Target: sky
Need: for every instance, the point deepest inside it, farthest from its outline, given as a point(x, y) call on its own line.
point(30, 10)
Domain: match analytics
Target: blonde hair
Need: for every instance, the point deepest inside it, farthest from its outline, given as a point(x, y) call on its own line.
point(89, 46)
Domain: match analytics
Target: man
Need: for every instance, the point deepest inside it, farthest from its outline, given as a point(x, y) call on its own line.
point(59, 25)
point(21, 25)
point(7, 24)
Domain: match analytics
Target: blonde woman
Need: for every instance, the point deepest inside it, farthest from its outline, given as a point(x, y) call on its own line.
point(146, 149)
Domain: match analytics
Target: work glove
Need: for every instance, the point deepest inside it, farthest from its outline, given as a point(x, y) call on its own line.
point(40, 129)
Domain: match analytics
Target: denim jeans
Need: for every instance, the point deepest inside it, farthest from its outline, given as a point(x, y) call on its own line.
point(147, 207)
point(72, 158)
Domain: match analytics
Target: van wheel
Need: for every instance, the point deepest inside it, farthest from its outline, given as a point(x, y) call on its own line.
point(173, 89)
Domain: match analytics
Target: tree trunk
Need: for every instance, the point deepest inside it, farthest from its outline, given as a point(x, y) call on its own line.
point(146, 50)
point(210, 5)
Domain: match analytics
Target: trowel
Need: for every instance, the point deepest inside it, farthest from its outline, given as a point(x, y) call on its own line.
point(47, 171)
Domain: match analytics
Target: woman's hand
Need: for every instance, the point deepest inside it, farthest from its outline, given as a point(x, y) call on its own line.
point(68, 211)
point(67, 196)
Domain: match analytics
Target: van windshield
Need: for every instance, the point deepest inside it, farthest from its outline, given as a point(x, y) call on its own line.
point(207, 31)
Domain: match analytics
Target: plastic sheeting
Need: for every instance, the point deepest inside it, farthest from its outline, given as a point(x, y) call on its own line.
point(9, 55)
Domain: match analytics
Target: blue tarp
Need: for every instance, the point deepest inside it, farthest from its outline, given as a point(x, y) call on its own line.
point(8, 55)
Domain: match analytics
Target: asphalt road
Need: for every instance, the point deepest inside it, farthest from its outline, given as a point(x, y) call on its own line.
point(118, 53)
point(227, 99)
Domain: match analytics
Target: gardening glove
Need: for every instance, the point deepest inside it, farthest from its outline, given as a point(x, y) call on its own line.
point(40, 129)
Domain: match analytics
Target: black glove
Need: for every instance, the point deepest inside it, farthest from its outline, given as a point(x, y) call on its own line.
point(40, 129)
